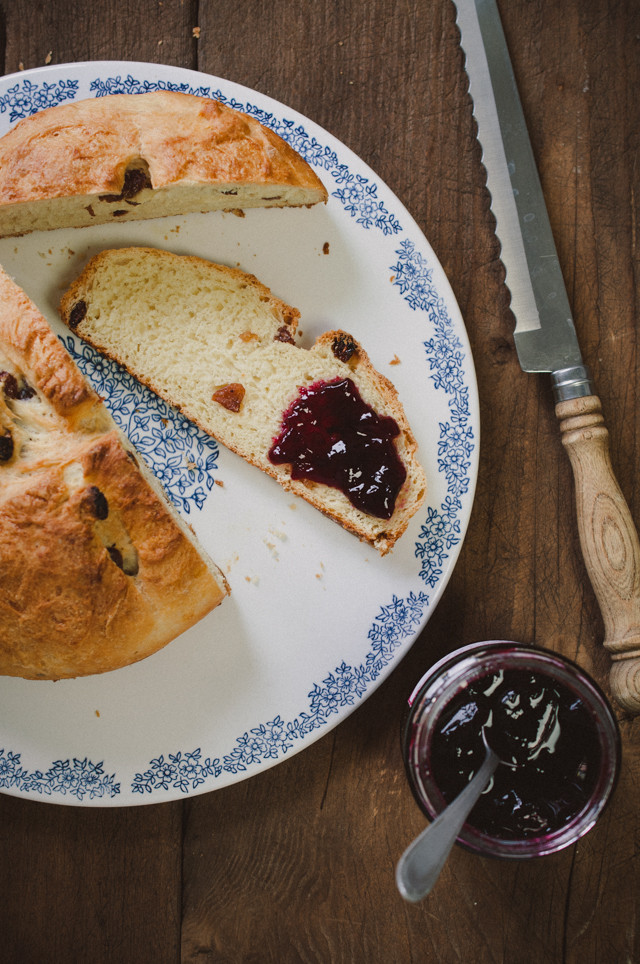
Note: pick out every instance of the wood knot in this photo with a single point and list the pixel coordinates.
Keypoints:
(501, 350)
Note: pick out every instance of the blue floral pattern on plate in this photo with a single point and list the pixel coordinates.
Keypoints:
(181, 456)
(76, 778)
(27, 98)
(268, 741)
(184, 459)
(445, 356)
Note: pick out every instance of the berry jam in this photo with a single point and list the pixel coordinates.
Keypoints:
(330, 435)
(543, 716)
(538, 725)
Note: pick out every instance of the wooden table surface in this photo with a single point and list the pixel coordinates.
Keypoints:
(297, 863)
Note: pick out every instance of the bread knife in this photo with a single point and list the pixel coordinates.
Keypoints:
(546, 340)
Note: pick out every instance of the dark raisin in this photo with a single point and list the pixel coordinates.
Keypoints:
(129, 566)
(343, 347)
(229, 192)
(116, 556)
(283, 334)
(118, 214)
(77, 313)
(134, 182)
(98, 502)
(9, 384)
(16, 389)
(229, 396)
(6, 447)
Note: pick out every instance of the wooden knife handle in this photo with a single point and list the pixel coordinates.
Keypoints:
(609, 541)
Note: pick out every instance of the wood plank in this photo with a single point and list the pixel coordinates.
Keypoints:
(80, 884)
(40, 33)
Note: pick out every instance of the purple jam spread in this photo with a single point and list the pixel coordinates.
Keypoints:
(538, 724)
(330, 435)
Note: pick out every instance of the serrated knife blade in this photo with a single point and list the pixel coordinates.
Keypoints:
(544, 335)
(546, 340)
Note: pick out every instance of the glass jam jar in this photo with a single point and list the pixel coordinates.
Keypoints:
(551, 726)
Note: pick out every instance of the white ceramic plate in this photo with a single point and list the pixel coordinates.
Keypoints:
(316, 620)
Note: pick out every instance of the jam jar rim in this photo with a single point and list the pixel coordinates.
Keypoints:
(463, 664)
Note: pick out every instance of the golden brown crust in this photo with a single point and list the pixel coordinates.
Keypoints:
(27, 338)
(96, 571)
(84, 148)
(67, 608)
(58, 583)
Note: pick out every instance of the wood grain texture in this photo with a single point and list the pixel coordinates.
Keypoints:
(296, 865)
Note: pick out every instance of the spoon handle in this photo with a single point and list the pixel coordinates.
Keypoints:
(421, 863)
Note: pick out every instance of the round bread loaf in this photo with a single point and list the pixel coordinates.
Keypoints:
(97, 569)
(134, 156)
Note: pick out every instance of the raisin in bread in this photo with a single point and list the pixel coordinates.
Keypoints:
(215, 343)
(135, 156)
(97, 570)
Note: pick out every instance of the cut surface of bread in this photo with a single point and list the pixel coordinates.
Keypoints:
(215, 343)
(135, 156)
(97, 569)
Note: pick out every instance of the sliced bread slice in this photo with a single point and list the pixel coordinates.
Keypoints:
(128, 157)
(214, 342)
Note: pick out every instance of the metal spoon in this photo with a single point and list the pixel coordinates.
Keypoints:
(419, 867)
